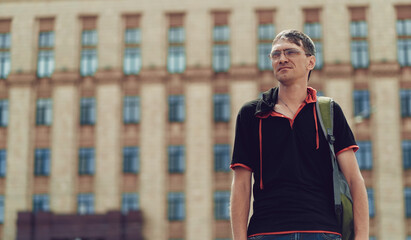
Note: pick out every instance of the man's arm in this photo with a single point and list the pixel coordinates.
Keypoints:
(240, 202)
(349, 167)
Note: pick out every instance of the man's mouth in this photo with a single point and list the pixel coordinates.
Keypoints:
(281, 68)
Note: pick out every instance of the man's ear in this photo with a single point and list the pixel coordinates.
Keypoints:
(311, 62)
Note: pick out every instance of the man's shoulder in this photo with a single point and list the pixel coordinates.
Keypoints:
(249, 108)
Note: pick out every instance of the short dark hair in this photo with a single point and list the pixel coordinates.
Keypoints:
(298, 38)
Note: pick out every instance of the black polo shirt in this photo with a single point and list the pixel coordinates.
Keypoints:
(293, 189)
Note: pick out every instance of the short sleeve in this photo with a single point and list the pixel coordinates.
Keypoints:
(244, 142)
(344, 138)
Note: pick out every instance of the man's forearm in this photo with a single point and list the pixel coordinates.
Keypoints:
(360, 209)
(240, 207)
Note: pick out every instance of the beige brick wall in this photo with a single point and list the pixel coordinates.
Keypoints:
(382, 31)
(341, 91)
(110, 36)
(23, 37)
(388, 180)
(198, 37)
(153, 161)
(108, 147)
(20, 150)
(199, 162)
(336, 44)
(64, 149)
(67, 40)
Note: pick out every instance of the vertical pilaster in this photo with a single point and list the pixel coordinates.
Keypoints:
(64, 148)
(108, 154)
(388, 175)
(153, 161)
(17, 193)
(199, 181)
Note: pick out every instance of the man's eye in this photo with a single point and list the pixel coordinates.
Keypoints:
(276, 54)
(292, 52)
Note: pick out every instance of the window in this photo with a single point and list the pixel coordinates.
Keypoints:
(221, 48)
(88, 62)
(176, 62)
(266, 34)
(362, 103)
(176, 206)
(5, 43)
(44, 111)
(313, 29)
(4, 112)
(3, 162)
(359, 44)
(41, 203)
(86, 161)
(371, 205)
(87, 111)
(364, 155)
(406, 154)
(407, 193)
(176, 159)
(131, 159)
(222, 154)
(222, 205)
(405, 95)
(131, 112)
(132, 51)
(129, 202)
(176, 108)
(42, 162)
(404, 41)
(85, 203)
(222, 108)
(1, 209)
(45, 59)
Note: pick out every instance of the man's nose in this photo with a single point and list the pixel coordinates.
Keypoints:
(282, 58)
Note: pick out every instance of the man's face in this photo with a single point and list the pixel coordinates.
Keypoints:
(290, 62)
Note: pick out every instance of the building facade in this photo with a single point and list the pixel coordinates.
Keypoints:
(123, 105)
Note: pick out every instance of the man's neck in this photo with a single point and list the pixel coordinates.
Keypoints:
(293, 94)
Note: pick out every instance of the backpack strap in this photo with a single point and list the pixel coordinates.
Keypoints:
(325, 112)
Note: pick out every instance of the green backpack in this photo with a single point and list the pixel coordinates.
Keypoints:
(342, 195)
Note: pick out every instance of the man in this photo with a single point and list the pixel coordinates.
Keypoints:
(279, 139)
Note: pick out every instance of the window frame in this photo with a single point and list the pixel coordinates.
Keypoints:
(87, 111)
(129, 202)
(221, 59)
(4, 112)
(42, 161)
(40, 203)
(176, 158)
(86, 200)
(86, 161)
(176, 206)
(364, 155)
(362, 105)
(44, 111)
(221, 205)
(176, 108)
(131, 159)
(5, 56)
(222, 157)
(176, 53)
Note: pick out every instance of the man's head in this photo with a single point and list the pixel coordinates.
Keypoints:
(290, 40)
(298, 38)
